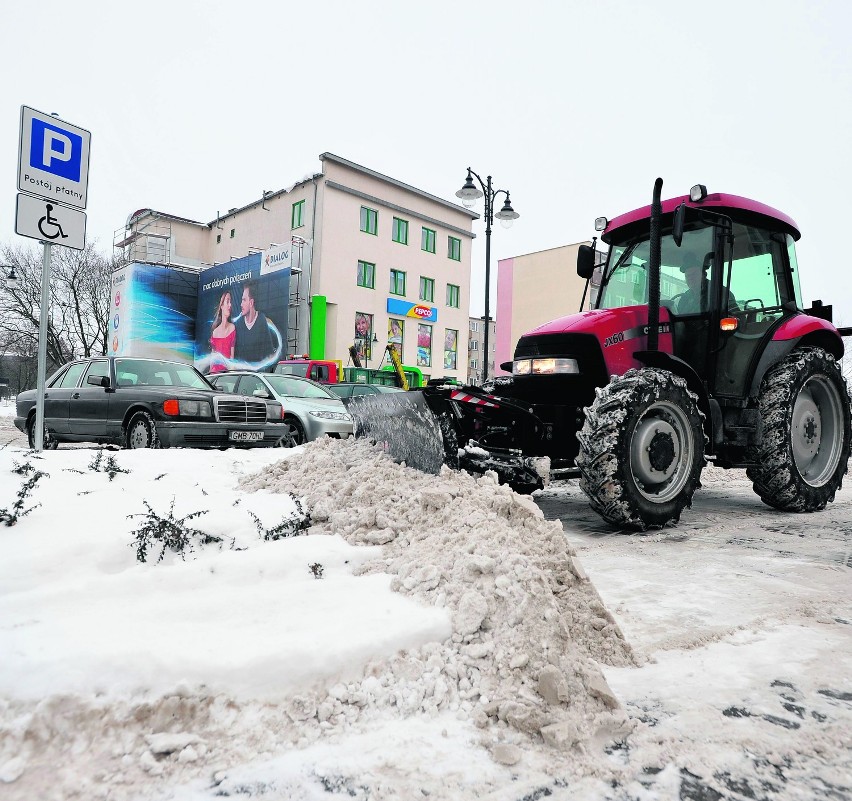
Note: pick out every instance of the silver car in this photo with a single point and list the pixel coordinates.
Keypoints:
(309, 409)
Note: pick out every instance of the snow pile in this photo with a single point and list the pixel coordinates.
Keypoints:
(122, 680)
(527, 624)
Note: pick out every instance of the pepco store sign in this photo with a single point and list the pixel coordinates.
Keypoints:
(402, 308)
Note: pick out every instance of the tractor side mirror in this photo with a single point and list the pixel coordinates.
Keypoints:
(585, 261)
(678, 223)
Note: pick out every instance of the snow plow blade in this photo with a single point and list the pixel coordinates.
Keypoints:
(463, 427)
(403, 424)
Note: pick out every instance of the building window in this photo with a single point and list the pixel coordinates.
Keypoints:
(454, 248)
(427, 240)
(397, 282)
(424, 345)
(369, 221)
(366, 274)
(218, 238)
(474, 344)
(400, 231)
(474, 365)
(451, 348)
(474, 326)
(297, 218)
(427, 289)
(233, 231)
(453, 293)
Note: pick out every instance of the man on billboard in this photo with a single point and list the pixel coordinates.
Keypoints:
(254, 342)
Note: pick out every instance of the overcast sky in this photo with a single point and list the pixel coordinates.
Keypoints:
(575, 108)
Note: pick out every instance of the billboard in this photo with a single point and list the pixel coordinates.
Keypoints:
(152, 312)
(241, 316)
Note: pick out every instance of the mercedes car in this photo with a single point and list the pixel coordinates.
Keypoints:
(146, 403)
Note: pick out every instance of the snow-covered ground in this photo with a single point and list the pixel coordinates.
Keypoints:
(426, 637)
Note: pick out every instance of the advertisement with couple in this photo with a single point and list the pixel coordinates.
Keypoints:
(242, 317)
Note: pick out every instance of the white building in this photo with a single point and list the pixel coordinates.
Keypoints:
(374, 260)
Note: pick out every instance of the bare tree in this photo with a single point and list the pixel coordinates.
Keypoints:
(78, 306)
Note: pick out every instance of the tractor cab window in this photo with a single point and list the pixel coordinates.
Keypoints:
(626, 282)
(758, 276)
(794, 270)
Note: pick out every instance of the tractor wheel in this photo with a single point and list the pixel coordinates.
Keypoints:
(804, 447)
(642, 449)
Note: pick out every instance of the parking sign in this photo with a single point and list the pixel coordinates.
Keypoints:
(54, 158)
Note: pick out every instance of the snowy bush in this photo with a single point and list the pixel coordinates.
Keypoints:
(167, 532)
(291, 526)
(11, 516)
(110, 466)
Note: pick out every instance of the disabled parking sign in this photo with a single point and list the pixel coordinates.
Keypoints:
(54, 159)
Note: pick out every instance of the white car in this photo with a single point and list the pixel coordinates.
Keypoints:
(309, 409)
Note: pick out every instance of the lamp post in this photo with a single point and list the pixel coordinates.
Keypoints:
(368, 347)
(469, 194)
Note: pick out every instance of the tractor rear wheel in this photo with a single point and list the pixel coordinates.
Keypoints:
(642, 449)
(804, 447)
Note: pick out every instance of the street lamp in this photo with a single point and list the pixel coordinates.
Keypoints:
(469, 194)
(11, 279)
(368, 347)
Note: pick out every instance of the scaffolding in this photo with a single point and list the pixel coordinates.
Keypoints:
(148, 242)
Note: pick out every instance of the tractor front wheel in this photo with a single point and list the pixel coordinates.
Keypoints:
(804, 446)
(642, 449)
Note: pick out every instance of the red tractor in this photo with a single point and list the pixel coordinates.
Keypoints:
(698, 347)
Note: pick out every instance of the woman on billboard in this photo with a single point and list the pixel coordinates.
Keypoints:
(224, 333)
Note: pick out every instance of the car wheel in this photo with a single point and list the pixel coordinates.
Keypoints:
(49, 441)
(285, 441)
(141, 432)
(295, 430)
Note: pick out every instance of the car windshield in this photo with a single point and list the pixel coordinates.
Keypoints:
(626, 281)
(300, 369)
(297, 387)
(153, 373)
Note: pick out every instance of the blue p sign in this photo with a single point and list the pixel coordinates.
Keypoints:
(56, 150)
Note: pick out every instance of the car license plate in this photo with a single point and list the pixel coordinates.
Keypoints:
(245, 436)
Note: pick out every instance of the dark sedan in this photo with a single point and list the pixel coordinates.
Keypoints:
(146, 403)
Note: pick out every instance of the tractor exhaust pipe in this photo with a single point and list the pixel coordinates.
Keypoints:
(654, 269)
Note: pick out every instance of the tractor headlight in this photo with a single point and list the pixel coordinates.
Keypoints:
(550, 366)
(546, 366)
(331, 415)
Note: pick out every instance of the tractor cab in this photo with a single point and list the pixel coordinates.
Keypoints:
(728, 276)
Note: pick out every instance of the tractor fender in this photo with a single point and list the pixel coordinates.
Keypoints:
(709, 407)
(802, 329)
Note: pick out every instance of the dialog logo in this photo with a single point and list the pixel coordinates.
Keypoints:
(117, 299)
(114, 344)
(115, 321)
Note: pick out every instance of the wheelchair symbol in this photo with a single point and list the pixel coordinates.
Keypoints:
(50, 220)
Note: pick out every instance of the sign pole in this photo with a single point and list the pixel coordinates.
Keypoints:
(42, 349)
